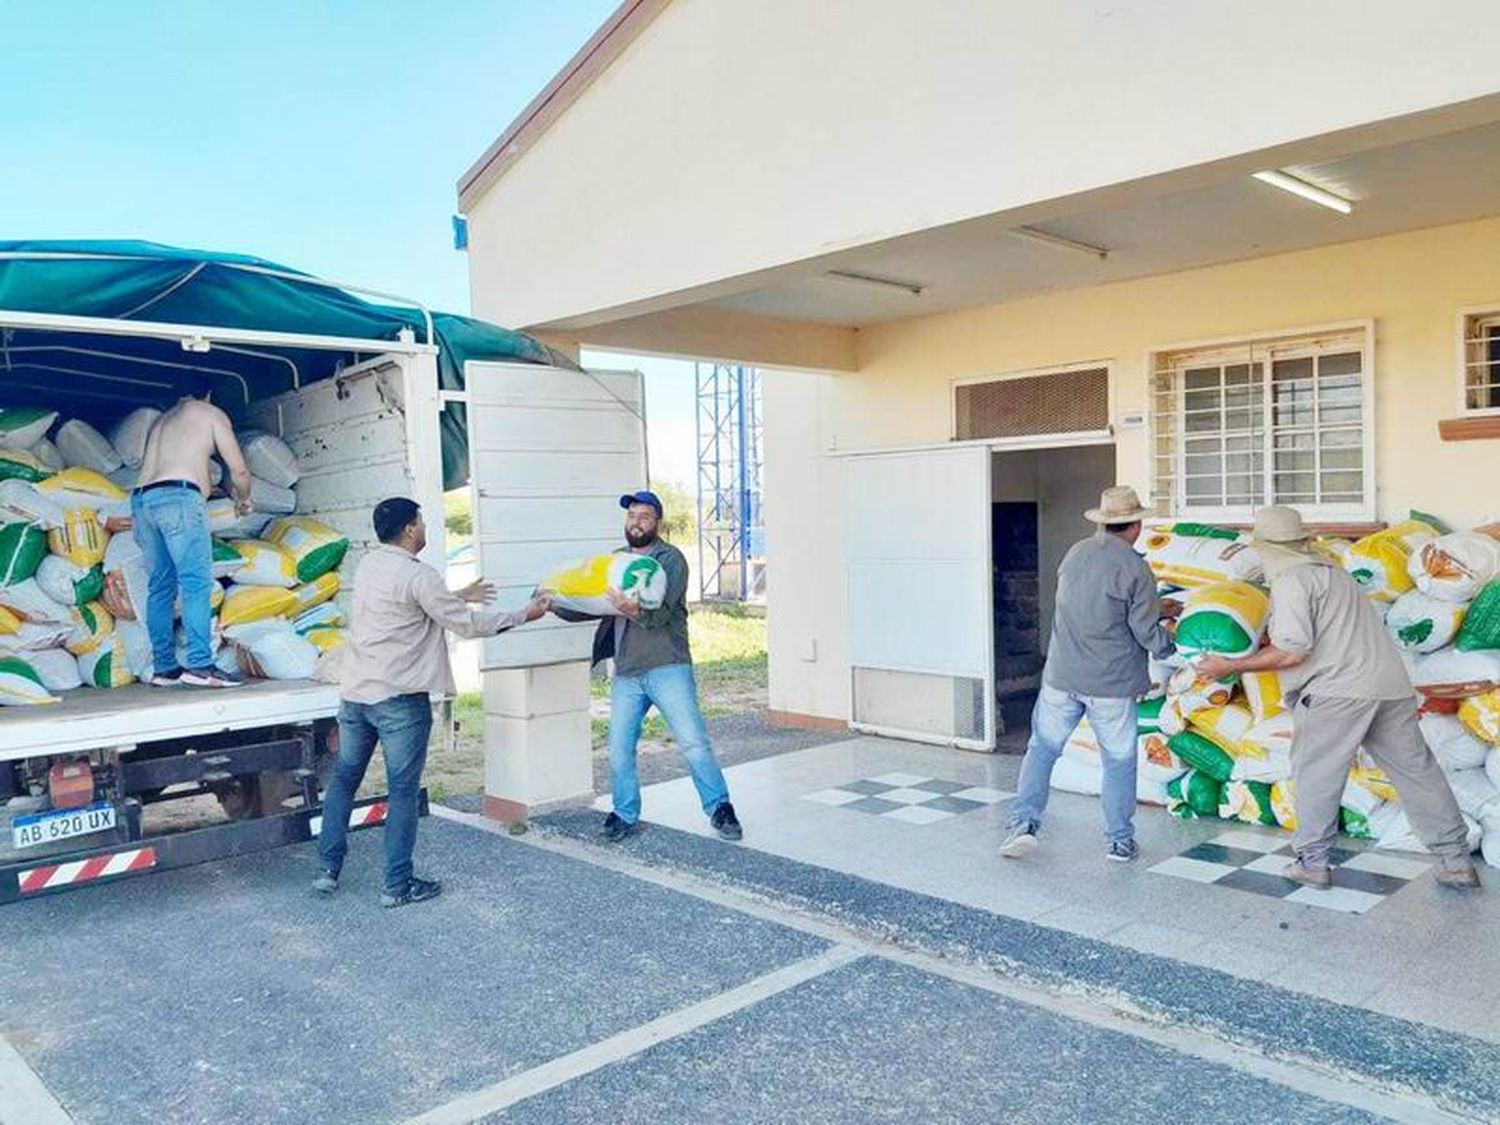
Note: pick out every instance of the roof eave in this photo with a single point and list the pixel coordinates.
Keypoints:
(611, 40)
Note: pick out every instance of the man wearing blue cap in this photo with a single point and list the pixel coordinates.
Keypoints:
(653, 665)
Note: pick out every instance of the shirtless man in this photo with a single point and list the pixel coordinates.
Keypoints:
(169, 508)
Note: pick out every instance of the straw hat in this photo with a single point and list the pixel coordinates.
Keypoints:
(1280, 535)
(1119, 504)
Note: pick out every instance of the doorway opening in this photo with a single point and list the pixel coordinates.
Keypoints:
(1037, 501)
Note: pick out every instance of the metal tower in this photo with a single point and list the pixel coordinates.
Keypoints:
(731, 536)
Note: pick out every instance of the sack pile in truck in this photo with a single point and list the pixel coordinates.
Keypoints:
(74, 582)
(1223, 750)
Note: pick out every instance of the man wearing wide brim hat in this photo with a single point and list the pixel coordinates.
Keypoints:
(1106, 619)
(1333, 653)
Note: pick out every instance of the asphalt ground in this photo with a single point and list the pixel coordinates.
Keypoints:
(677, 979)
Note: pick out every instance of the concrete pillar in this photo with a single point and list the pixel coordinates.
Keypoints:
(537, 742)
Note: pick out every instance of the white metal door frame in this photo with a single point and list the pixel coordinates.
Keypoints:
(973, 494)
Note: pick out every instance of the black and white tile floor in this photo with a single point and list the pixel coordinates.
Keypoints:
(909, 797)
(1250, 861)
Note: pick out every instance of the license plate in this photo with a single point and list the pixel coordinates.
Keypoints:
(48, 828)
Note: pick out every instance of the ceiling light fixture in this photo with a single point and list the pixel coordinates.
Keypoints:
(1037, 235)
(911, 287)
(1310, 192)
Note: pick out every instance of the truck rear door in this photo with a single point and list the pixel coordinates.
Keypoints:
(550, 453)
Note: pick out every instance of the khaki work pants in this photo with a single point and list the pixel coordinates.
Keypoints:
(1326, 734)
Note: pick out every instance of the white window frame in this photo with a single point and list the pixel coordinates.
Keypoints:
(1475, 316)
(1286, 343)
(1038, 441)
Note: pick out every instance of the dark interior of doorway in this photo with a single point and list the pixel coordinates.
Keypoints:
(1016, 563)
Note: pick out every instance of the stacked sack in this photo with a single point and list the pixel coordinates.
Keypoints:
(74, 582)
(1227, 745)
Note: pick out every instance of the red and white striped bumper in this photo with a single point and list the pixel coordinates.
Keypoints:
(85, 870)
(366, 817)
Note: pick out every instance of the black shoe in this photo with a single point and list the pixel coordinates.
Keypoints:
(616, 828)
(417, 890)
(726, 824)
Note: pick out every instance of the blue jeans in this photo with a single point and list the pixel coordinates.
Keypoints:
(1053, 720)
(171, 527)
(675, 693)
(401, 725)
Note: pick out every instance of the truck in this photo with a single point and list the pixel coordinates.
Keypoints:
(376, 396)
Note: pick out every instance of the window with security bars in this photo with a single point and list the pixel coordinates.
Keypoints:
(1059, 402)
(1264, 422)
(1481, 372)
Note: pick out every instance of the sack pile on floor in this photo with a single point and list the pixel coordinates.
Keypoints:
(74, 583)
(1223, 750)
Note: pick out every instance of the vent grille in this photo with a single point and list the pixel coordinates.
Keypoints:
(948, 707)
(1061, 403)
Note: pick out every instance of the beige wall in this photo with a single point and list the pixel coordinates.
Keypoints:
(1411, 286)
(734, 138)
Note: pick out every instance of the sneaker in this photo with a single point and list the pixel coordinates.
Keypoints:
(167, 679)
(1021, 841)
(616, 828)
(1319, 878)
(417, 890)
(210, 677)
(1122, 851)
(1464, 878)
(726, 824)
(326, 883)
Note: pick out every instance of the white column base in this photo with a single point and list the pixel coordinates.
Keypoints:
(537, 739)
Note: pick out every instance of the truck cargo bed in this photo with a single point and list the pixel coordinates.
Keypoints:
(88, 719)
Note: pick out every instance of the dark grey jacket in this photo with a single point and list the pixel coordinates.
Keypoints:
(1107, 618)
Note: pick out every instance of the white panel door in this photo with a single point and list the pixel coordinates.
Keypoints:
(921, 625)
(550, 454)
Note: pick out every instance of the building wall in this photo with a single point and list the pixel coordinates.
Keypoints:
(816, 128)
(1411, 286)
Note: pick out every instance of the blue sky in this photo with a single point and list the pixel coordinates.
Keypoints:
(325, 135)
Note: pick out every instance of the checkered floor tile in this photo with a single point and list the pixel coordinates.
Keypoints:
(1250, 861)
(909, 797)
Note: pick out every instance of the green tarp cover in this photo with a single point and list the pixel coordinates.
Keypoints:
(145, 281)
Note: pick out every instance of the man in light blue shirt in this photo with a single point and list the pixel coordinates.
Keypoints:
(1107, 621)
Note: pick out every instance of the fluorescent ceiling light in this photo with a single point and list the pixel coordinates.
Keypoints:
(1036, 234)
(1310, 192)
(912, 287)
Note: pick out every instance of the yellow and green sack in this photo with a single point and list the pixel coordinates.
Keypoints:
(1203, 754)
(20, 686)
(325, 638)
(81, 539)
(582, 587)
(315, 547)
(1249, 801)
(244, 604)
(312, 594)
(1263, 694)
(1284, 804)
(1379, 561)
(1223, 617)
(107, 666)
(23, 546)
(81, 488)
(68, 583)
(266, 564)
(1481, 627)
(92, 626)
(1228, 727)
(1196, 554)
(1194, 794)
(18, 465)
(1480, 714)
